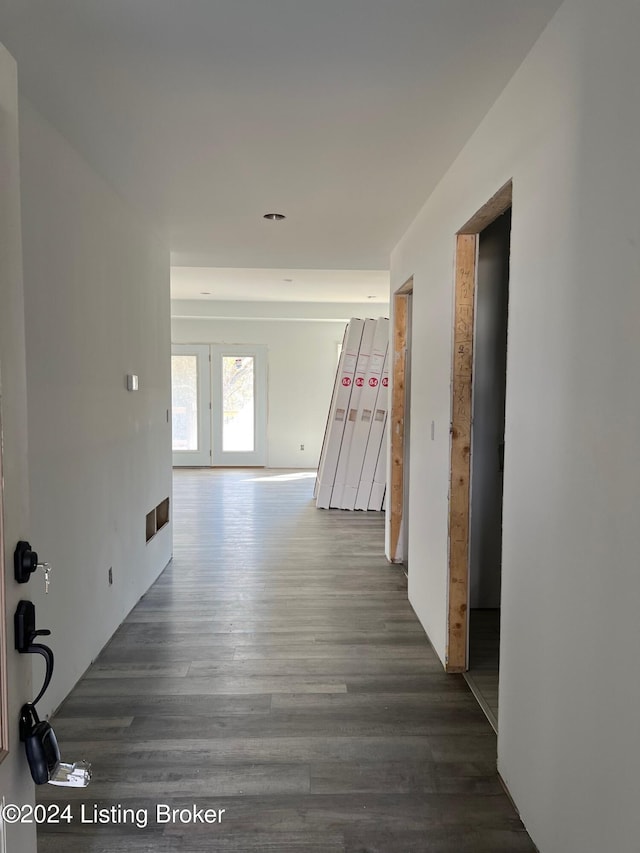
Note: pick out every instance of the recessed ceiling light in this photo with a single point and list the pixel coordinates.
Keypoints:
(274, 217)
(288, 280)
(370, 297)
(205, 293)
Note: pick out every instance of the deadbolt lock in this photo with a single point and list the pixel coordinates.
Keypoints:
(25, 562)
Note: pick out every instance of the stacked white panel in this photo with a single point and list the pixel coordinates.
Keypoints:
(362, 366)
(375, 440)
(366, 411)
(336, 386)
(380, 477)
(340, 402)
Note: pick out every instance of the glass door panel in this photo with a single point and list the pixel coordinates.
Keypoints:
(184, 401)
(239, 405)
(190, 404)
(238, 425)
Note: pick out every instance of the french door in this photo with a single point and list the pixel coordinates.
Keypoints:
(190, 402)
(239, 422)
(219, 400)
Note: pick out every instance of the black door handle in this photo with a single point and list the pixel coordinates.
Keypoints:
(24, 623)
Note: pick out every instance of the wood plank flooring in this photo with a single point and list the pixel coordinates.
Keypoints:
(277, 671)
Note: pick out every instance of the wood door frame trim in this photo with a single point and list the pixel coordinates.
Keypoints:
(489, 212)
(398, 402)
(467, 239)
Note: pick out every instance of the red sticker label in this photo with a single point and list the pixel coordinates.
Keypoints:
(346, 381)
(359, 381)
(373, 382)
(385, 382)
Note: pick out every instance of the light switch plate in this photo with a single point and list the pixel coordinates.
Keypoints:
(132, 382)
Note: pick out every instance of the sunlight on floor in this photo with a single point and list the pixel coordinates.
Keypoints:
(279, 478)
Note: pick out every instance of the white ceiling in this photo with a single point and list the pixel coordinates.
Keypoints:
(280, 285)
(206, 114)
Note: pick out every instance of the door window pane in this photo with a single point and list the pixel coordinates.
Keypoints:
(237, 403)
(184, 401)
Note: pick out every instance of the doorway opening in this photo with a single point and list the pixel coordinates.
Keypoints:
(219, 405)
(400, 426)
(477, 448)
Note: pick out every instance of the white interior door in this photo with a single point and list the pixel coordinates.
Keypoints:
(191, 404)
(239, 410)
(16, 785)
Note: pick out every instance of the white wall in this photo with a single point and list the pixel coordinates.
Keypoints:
(15, 782)
(96, 283)
(567, 130)
(302, 360)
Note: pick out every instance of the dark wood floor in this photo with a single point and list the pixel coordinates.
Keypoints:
(277, 671)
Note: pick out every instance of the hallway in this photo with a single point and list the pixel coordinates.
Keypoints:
(277, 671)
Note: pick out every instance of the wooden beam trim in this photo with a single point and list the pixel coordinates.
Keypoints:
(494, 208)
(397, 420)
(459, 495)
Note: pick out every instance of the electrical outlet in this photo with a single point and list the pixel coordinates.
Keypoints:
(110, 575)
(302, 447)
